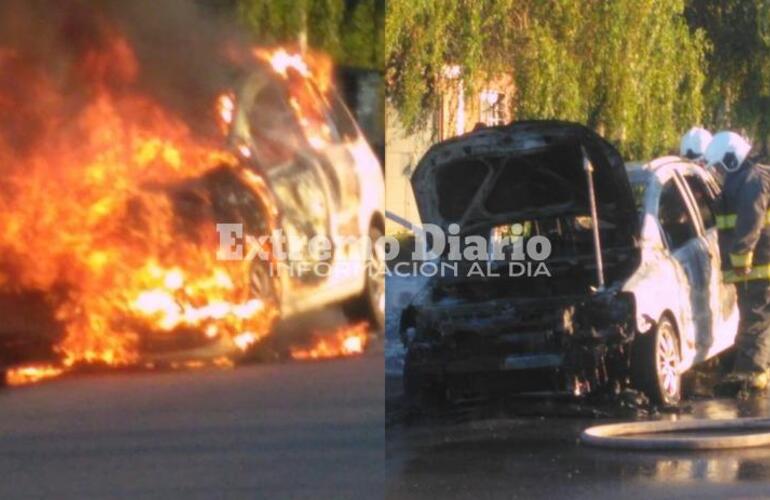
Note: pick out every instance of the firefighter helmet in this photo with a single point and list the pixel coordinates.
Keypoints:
(694, 143)
(728, 150)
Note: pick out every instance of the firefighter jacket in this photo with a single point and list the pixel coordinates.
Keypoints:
(744, 224)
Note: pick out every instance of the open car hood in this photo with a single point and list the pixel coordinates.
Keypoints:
(522, 171)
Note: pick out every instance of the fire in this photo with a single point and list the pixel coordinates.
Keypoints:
(281, 61)
(347, 341)
(284, 62)
(30, 374)
(225, 111)
(91, 211)
(305, 93)
(108, 197)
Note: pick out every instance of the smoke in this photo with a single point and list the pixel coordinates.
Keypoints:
(173, 51)
(187, 55)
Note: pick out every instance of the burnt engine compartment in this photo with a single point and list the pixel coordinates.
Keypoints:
(551, 332)
(571, 263)
(567, 343)
(30, 328)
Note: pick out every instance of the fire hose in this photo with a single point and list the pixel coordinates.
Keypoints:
(729, 433)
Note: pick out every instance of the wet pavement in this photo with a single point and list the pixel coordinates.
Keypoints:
(530, 449)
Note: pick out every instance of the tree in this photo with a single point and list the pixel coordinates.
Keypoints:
(738, 76)
(630, 68)
(423, 37)
(362, 33)
(348, 31)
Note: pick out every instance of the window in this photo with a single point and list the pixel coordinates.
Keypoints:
(272, 126)
(492, 110)
(639, 190)
(674, 217)
(313, 115)
(703, 199)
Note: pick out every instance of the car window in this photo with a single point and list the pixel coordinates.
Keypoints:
(639, 190)
(312, 112)
(273, 126)
(703, 199)
(674, 217)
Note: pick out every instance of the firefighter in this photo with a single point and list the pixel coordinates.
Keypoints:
(744, 237)
(694, 143)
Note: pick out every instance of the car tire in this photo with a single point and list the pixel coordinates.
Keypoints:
(370, 304)
(263, 285)
(655, 364)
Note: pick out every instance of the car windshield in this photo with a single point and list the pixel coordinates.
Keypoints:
(639, 188)
(639, 180)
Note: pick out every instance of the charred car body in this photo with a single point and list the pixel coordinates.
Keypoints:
(306, 170)
(634, 300)
(325, 180)
(301, 166)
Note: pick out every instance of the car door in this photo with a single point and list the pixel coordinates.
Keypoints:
(683, 237)
(278, 144)
(333, 139)
(722, 298)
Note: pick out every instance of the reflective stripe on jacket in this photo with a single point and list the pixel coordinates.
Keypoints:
(744, 224)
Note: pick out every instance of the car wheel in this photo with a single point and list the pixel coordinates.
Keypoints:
(655, 364)
(370, 305)
(262, 285)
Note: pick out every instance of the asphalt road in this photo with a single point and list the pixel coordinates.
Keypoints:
(293, 430)
(531, 451)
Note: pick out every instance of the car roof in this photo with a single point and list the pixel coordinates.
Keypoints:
(644, 171)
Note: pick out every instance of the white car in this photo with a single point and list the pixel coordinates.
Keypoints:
(305, 170)
(644, 310)
(296, 162)
(326, 181)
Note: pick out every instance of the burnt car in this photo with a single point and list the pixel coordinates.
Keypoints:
(326, 181)
(295, 161)
(306, 170)
(634, 295)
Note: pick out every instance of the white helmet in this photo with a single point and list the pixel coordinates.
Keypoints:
(727, 149)
(694, 143)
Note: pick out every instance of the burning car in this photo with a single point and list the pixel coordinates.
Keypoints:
(306, 171)
(634, 296)
(113, 187)
(324, 181)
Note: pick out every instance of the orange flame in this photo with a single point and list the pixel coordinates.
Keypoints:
(281, 61)
(30, 374)
(91, 212)
(349, 340)
(306, 95)
(225, 111)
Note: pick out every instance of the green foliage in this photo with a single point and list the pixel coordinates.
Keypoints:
(630, 68)
(422, 37)
(351, 32)
(738, 77)
(362, 34)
